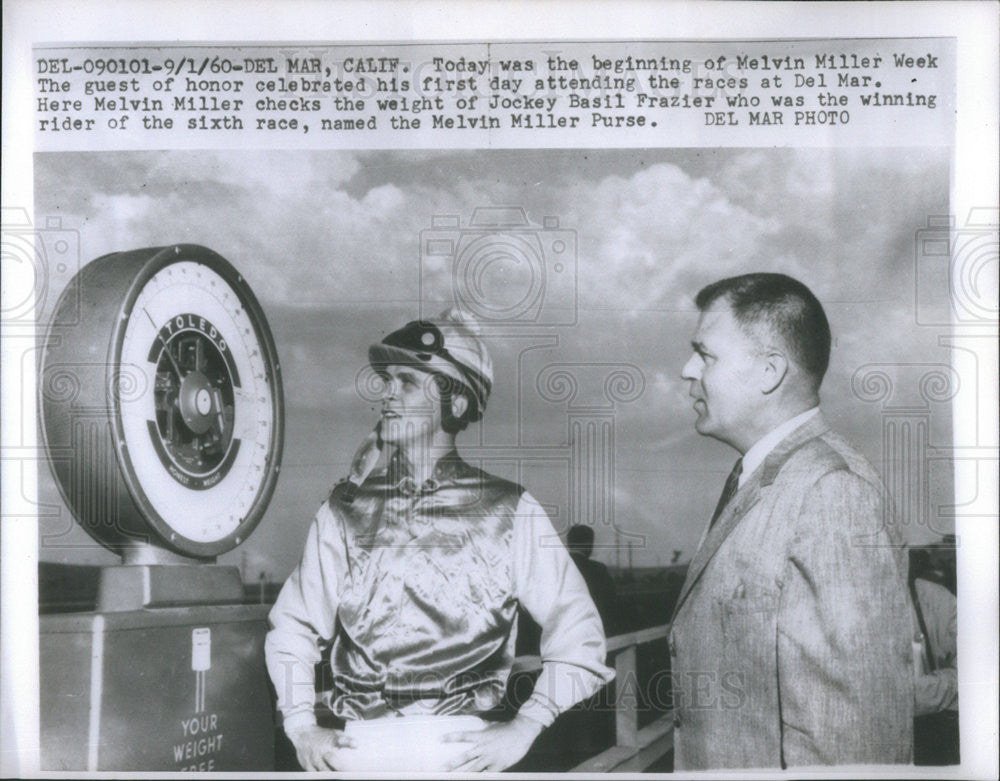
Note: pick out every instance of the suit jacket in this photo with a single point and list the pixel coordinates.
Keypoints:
(791, 639)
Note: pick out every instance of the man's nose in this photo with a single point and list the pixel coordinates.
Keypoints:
(391, 389)
(692, 369)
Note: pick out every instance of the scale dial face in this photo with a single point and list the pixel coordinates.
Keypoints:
(198, 443)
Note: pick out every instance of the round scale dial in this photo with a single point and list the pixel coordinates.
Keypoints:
(196, 417)
(206, 421)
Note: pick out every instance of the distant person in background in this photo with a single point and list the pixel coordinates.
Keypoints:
(940, 563)
(935, 726)
(580, 541)
(791, 643)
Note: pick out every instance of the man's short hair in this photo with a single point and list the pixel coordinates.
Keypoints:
(784, 306)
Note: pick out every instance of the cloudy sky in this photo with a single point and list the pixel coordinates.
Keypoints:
(331, 244)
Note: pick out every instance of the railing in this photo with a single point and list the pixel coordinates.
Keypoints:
(635, 748)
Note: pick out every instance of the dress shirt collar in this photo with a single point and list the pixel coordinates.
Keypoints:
(755, 456)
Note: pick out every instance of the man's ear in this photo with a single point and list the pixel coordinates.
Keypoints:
(459, 404)
(775, 368)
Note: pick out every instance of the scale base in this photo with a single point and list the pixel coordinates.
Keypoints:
(141, 586)
(171, 689)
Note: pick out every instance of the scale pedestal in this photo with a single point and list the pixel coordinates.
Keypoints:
(164, 676)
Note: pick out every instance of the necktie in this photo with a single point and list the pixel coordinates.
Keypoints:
(732, 483)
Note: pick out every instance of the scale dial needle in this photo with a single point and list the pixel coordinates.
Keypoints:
(170, 355)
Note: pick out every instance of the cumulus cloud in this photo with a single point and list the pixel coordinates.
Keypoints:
(331, 243)
(644, 236)
(322, 226)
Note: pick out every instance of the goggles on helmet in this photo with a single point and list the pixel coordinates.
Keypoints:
(424, 339)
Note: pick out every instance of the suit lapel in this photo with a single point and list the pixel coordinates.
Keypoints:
(745, 498)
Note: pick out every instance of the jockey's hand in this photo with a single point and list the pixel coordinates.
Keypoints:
(318, 748)
(495, 747)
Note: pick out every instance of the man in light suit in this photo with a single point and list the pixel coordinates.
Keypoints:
(791, 638)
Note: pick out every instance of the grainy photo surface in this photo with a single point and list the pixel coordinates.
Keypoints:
(556, 404)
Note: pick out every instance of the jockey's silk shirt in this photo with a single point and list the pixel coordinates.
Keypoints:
(417, 586)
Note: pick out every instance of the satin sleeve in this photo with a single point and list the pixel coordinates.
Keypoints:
(549, 586)
(303, 620)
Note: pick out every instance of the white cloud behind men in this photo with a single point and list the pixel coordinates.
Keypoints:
(330, 244)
